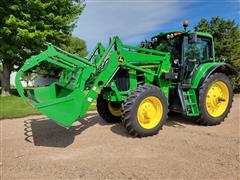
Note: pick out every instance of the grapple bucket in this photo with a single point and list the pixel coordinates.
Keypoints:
(62, 100)
(58, 103)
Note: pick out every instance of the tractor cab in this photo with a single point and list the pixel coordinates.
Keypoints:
(188, 50)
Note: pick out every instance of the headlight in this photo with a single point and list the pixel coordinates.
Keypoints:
(154, 39)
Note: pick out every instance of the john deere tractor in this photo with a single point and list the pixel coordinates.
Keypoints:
(138, 86)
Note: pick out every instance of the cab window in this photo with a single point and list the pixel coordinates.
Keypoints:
(198, 52)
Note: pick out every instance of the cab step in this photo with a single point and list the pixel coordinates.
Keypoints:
(190, 102)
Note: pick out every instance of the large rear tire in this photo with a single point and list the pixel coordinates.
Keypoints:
(145, 111)
(110, 112)
(215, 99)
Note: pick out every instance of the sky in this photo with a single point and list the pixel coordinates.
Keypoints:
(137, 20)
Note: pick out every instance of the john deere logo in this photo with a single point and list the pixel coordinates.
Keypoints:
(120, 58)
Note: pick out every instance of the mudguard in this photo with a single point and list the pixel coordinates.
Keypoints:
(205, 70)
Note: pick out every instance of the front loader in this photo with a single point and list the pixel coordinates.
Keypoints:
(174, 72)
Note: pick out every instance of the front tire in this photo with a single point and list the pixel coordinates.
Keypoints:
(145, 111)
(110, 112)
(215, 99)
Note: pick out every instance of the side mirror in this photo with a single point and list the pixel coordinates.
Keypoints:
(192, 38)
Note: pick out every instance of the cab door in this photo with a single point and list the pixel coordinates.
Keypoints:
(194, 54)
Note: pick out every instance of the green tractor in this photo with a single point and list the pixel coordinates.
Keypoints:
(138, 86)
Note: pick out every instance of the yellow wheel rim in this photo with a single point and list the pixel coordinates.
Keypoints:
(150, 112)
(217, 99)
(114, 110)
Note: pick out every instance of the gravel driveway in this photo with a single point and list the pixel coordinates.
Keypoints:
(35, 147)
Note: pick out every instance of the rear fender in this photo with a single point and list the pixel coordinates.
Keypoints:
(205, 70)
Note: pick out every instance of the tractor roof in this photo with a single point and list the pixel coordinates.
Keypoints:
(184, 32)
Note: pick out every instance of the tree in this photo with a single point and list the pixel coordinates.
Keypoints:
(226, 34)
(75, 45)
(27, 26)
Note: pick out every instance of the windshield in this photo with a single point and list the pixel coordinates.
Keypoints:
(169, 45)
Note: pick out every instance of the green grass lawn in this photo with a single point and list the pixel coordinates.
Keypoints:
(13, 107)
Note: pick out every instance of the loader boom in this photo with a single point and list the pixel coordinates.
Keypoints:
(76, 88)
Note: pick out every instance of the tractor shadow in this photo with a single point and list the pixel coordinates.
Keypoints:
(177, 121)
(44, 132)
